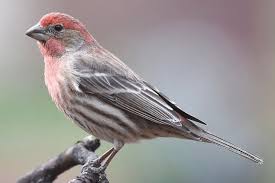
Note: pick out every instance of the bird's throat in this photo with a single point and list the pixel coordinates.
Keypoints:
(52, 47)
(53, 78)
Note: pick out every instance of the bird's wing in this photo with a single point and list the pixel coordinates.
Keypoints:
(174, 106)
(134, 96)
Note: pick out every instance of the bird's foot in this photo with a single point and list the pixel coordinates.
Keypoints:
(94, 170)
(94, 166)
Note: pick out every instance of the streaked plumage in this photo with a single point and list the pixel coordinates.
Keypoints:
(105, 97)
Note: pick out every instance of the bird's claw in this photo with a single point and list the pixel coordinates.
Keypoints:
(97, 170)
(94, 166)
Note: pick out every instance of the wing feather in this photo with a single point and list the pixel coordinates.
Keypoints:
(120, 86)
(130, 95)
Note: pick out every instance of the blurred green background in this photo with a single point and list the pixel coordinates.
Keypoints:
(215, 58)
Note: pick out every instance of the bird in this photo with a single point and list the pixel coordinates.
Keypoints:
(104, 97)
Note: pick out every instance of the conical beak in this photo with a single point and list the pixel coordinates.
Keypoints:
(38, 33)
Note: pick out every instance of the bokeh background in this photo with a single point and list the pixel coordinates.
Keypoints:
(214, 57)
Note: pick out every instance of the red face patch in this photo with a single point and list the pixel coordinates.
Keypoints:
(58, 18)
(68, 22)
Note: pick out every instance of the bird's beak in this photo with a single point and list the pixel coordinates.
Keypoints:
(37, 32)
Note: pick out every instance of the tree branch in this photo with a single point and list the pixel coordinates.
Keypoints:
(79, 154)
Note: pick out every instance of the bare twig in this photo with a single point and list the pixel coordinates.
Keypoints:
(79, 154)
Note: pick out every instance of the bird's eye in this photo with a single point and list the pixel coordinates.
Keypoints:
(58, 28)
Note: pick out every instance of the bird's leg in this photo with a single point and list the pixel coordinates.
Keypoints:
(100, 164)
(109, 158)
(100, 159)
(95, 165)
(117, 146)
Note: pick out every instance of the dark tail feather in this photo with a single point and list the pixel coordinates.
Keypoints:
(209, 137)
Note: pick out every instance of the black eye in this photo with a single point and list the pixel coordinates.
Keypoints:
(58, 28)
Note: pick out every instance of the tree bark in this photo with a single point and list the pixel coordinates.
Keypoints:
(79, 154)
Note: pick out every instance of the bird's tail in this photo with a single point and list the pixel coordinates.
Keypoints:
(206, 136)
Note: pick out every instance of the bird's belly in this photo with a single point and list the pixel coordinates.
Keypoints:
(102, 120)
(107, 122)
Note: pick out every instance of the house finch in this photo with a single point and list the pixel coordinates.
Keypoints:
(105, 97)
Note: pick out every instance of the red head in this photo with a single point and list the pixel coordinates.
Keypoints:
(58, 33)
